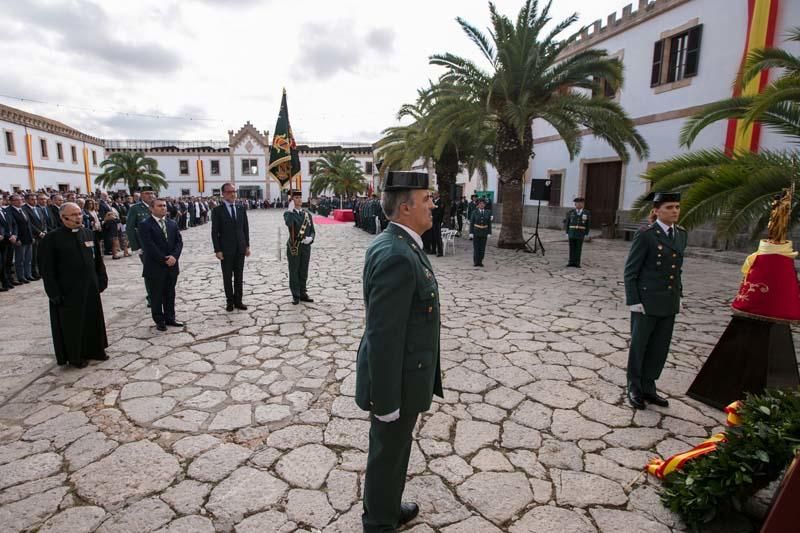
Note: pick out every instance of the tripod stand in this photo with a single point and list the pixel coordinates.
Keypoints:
(537, 242)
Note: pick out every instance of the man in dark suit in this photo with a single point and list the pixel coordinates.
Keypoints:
(8, 238)
(398, 369)
(162, 244)
(230, 236)
(38, 230)
(55, 203)
(44, 211)
(24, 246)
(653, 291)
(436, 229)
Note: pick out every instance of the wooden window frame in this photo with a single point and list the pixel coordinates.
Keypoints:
(9, 135)
(94, 158)
(211, 166)
(181, 162)
(669, 71)
(368, 167)
(249, 167)
(562, 173)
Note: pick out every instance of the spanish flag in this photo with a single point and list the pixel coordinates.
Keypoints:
(762, 18)
(201, 176)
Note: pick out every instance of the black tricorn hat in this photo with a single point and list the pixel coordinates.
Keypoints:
(401, 180)
(145, 188)
(295, 192)
(662, 197)
(578, 199)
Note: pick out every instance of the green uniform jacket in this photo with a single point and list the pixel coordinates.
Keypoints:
(653, 270)
(398, 360)
(294, 221)
(480, 223)
(577, 226)
(138, 212)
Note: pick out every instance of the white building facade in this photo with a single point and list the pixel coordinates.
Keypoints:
(678, 56)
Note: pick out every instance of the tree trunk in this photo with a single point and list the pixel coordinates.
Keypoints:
(513, 158)
(446, 171)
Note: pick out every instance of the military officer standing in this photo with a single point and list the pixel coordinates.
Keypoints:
(398, 368)
(653, 292)
(298, 247)
(577, 226)
(480, 227)
(138, 212)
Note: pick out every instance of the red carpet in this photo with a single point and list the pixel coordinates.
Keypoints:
(322, 220)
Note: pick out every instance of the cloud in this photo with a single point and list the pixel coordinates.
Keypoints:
(381, 40)
(82, 27)
(328, 49)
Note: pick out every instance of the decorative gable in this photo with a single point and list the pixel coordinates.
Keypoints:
(249, 135)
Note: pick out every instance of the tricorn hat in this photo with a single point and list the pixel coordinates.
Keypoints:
(402, 180)
(295, 192)
(578, 199)
(145, 188)
(662, 197)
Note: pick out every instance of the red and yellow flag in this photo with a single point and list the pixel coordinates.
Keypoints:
(761, 22)
(201, 176)
(86, 170)
(31, 167)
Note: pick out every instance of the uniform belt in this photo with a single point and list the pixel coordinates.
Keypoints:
(577, 227)
(481, 226)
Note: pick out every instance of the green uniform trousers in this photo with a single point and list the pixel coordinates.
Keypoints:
(650, 340)
(575, 249)
(387, 464)
(478, 249)
(298, 269)
(146, 281)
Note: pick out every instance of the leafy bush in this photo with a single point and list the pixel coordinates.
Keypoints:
(755, 454)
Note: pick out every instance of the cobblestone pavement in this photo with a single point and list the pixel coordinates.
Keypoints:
(245, 421)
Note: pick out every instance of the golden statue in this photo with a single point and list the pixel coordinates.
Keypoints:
(778, 226)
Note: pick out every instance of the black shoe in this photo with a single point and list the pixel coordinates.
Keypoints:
(571, 265)
(25, 281)
(161, 326)
(35, 278)
(439, 255)
(82, 364)
(229, 307)
(305, 298)
(635, 399)
(101, 357)
(174, 324)
(17, 282)
(655, 399)
(295, 301)
(408, 512)
(3, 289)
(480, 264)
(240, 306)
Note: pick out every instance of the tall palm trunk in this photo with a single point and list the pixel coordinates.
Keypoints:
(513, 158)
(446, 171)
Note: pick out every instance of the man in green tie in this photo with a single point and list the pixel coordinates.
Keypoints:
(480, 227)
(298, 247)
(397, 369)
(653, 291)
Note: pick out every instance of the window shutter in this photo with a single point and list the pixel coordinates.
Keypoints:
(555, 190)
(693, 51)
(658, 59)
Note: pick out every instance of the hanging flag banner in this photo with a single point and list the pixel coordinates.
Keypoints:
(86, 170)
(761, 22)
(201, 177)
(284, 160)
(31, 167)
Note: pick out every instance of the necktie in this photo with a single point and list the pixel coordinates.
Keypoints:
(233, 212)
(670, 233)
(163, 227)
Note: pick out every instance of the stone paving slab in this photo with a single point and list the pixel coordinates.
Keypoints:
(245, 421)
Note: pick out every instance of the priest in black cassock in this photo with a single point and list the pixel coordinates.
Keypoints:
(71, 265)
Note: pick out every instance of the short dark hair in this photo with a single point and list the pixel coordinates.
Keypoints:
(226, 184)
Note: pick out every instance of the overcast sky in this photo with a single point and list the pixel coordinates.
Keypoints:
(347, 65)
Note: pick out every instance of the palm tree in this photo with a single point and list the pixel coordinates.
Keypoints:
(339, 172)
(736, 190)
(449, 149)
(528, 78)
(132, 168)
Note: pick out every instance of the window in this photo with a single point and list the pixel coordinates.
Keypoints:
(94, 157)
(214, 169)
(312, 167)
(676, 57)
(555, 189)
(43, 147)
(74, 153)
(604, 89)
(63, 187)
(368, 167)
(185, 192)
(60, 151)
(10, 148)
(183, 167)
(249, 167)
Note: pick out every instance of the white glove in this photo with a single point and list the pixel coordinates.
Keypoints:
(637, 308)
(308, 240)
(680, 306)
(470, 235)
(391, 417)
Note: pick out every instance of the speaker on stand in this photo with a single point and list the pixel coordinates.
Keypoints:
(540, 190)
